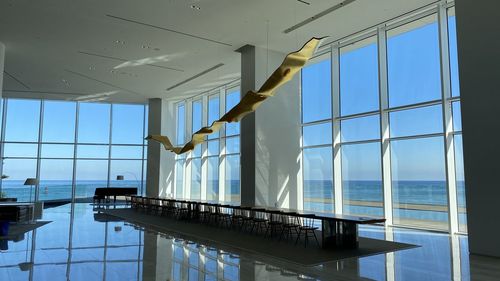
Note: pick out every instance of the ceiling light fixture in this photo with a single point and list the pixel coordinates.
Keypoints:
(195, 7)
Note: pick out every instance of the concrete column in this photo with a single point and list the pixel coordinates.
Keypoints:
(270, 138)
(154, 159)
(2, 62)
(479, 57)
(247, 129)
(160, 165)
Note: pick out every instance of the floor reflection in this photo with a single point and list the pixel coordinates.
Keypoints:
(81, 244)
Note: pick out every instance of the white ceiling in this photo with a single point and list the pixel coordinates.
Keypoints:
(46, 41)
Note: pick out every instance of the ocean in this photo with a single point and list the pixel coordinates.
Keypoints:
(412, 200)
(425, 201)
(59, 189)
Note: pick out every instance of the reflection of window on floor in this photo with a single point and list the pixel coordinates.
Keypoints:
(191, 261)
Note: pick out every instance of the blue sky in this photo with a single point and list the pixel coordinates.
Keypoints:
(413, 76)
(59, 119)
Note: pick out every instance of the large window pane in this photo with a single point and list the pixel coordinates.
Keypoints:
(126, 152)
(213, 113)
(359, 77)
(58, 150)
(22, 121)
(232, 99)
(452, 39)
(233, 178)
(413, 62)
(460, 182)
(179, 178)
(181, 124)
(93, 123)
(317, 134)
(419, 183)
(232, 145)
(362, 179)
(196, 152)
(92, 151)
(90, 174)
(18, 171)
(359, 129)
(59, 121)
(20, 150)
(196, 118)
(316, 91)
(131, 170)
(418, 121)
(457, 116)
(318, 179)
(195, 178)
(56, 179)
(213, 178)
(213, 148)
(128, 123)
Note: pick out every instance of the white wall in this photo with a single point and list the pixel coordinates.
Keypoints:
(478, 34)
(167, 166)
(277, 138)
(160, 165)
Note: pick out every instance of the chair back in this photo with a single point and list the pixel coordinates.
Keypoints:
(307, 221)
(260, 215)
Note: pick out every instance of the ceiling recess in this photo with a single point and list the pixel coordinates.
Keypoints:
(102, 82)
(195, 76)
(125, 60)
(170, 30)
(318, 15)
(17, 80)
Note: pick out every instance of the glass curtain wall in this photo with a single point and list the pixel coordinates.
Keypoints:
(380, 102)
(317, 136)
(71, 147)
(212, 170)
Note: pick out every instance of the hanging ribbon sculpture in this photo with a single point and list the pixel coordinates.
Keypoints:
(292, 64)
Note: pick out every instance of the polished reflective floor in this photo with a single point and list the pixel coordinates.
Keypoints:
(80, 244)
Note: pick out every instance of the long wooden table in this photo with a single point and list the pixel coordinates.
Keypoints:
(338, 231)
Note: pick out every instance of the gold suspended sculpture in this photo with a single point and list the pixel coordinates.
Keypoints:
(292, 63)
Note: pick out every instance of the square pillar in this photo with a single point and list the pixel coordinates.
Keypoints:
(479, 59)
(270, 137)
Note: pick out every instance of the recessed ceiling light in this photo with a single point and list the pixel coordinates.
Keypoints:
(119, 42)
(195, 7)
